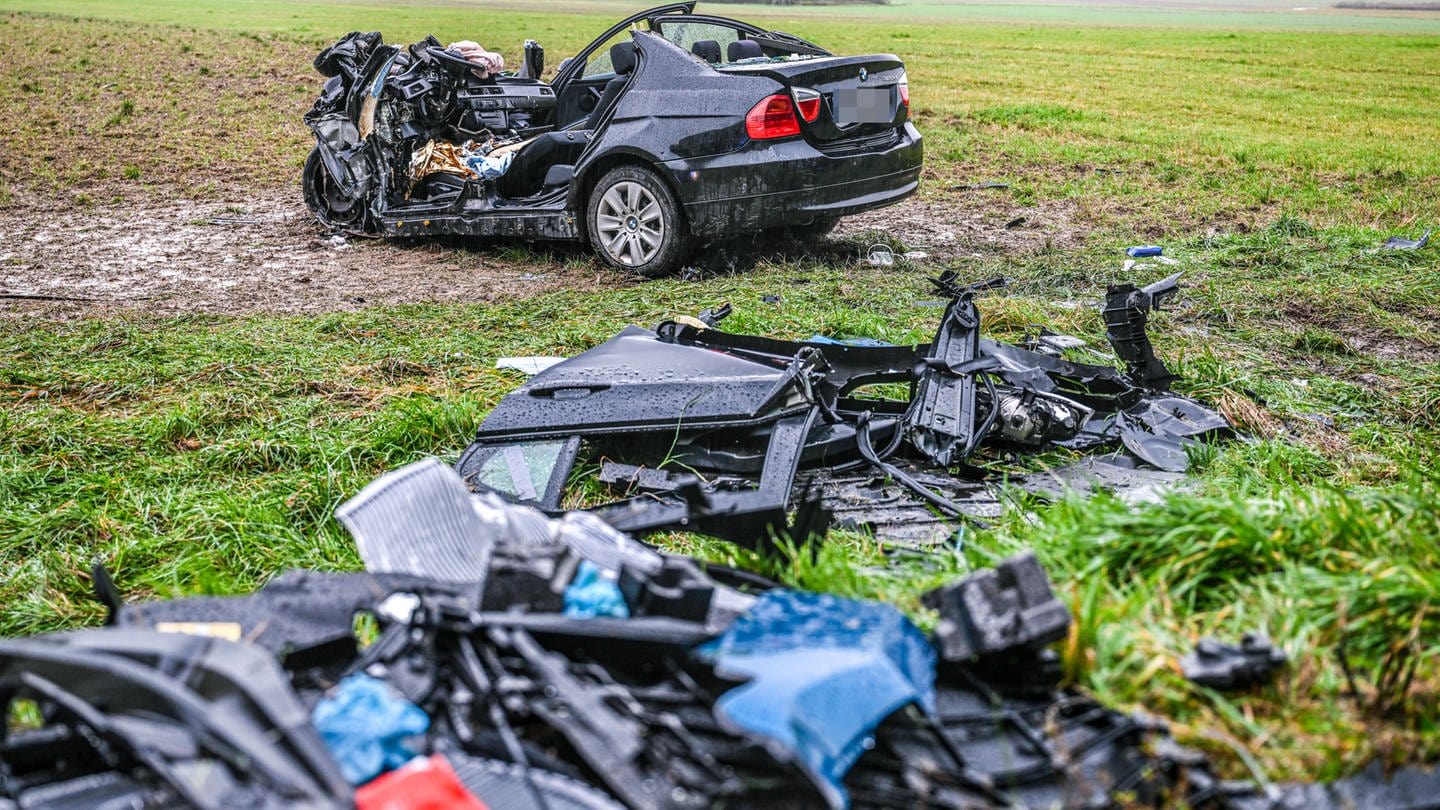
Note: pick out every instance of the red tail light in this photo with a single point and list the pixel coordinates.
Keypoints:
(807, 101)
(773, 117)
(905, 91)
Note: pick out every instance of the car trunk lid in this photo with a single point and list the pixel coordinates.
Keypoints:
(860, 95)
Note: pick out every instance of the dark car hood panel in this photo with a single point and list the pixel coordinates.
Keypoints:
(634, 382)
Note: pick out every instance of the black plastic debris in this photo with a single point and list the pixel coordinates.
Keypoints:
(1127, 310)
(719, 689)
(142, 718)
(1229, 666)
(998, 610)
(1401, 243)
(730, 434)
(1371, 788)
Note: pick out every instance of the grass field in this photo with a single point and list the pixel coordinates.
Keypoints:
(202, 454)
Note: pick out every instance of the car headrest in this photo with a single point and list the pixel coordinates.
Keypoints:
(622, 57)
(743, 49)
(707, 49)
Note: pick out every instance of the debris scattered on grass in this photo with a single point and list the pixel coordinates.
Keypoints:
(475, 688)
(1230, 666)
(979, 186)
(747, 429)
(527, 365)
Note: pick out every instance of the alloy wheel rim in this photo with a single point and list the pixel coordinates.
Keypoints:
(629, 222)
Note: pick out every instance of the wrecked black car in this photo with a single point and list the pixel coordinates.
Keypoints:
(671, 127)
(491, 656)
(723, 433)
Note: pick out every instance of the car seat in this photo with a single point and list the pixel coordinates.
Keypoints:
(743, 49)
(707, 49)
(623, 59)
(549, 160)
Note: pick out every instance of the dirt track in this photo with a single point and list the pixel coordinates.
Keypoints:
(266, 254)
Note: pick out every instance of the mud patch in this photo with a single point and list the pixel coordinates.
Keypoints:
(972, 224)
(1358, 333)
(266, 255)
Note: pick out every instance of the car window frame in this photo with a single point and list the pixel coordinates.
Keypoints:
(576, 68)
(751, 31)
(742, 30)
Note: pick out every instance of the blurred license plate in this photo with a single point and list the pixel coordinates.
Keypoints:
(864, 105)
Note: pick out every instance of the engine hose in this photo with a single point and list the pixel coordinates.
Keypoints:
(862, 435)
(984, 430)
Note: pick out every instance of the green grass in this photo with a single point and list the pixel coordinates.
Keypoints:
(311, 16)
(203, 454)
(1156, 129)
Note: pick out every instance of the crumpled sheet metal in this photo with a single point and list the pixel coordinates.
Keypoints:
(825, 671)
(1159, 430)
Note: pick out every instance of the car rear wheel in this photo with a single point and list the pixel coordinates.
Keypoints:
(635, 223)
(330, 204)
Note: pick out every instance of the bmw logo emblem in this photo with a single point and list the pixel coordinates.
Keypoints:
(864, 74)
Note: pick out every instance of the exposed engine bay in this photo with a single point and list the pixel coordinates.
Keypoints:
(443, 117)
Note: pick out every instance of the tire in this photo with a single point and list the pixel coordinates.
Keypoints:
(635, 223)
(330, 205)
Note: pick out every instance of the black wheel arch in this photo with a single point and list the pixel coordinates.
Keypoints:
(593, 170)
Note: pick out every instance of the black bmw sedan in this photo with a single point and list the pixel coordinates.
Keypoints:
(669, 129)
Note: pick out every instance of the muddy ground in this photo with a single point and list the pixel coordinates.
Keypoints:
(262, 252)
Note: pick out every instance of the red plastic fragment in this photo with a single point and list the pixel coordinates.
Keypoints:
(420, 784)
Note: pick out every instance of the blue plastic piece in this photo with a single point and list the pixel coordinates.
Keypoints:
(825, 672)
(364, 724)
(860, 341)
(1140, 251)
(593, 593)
